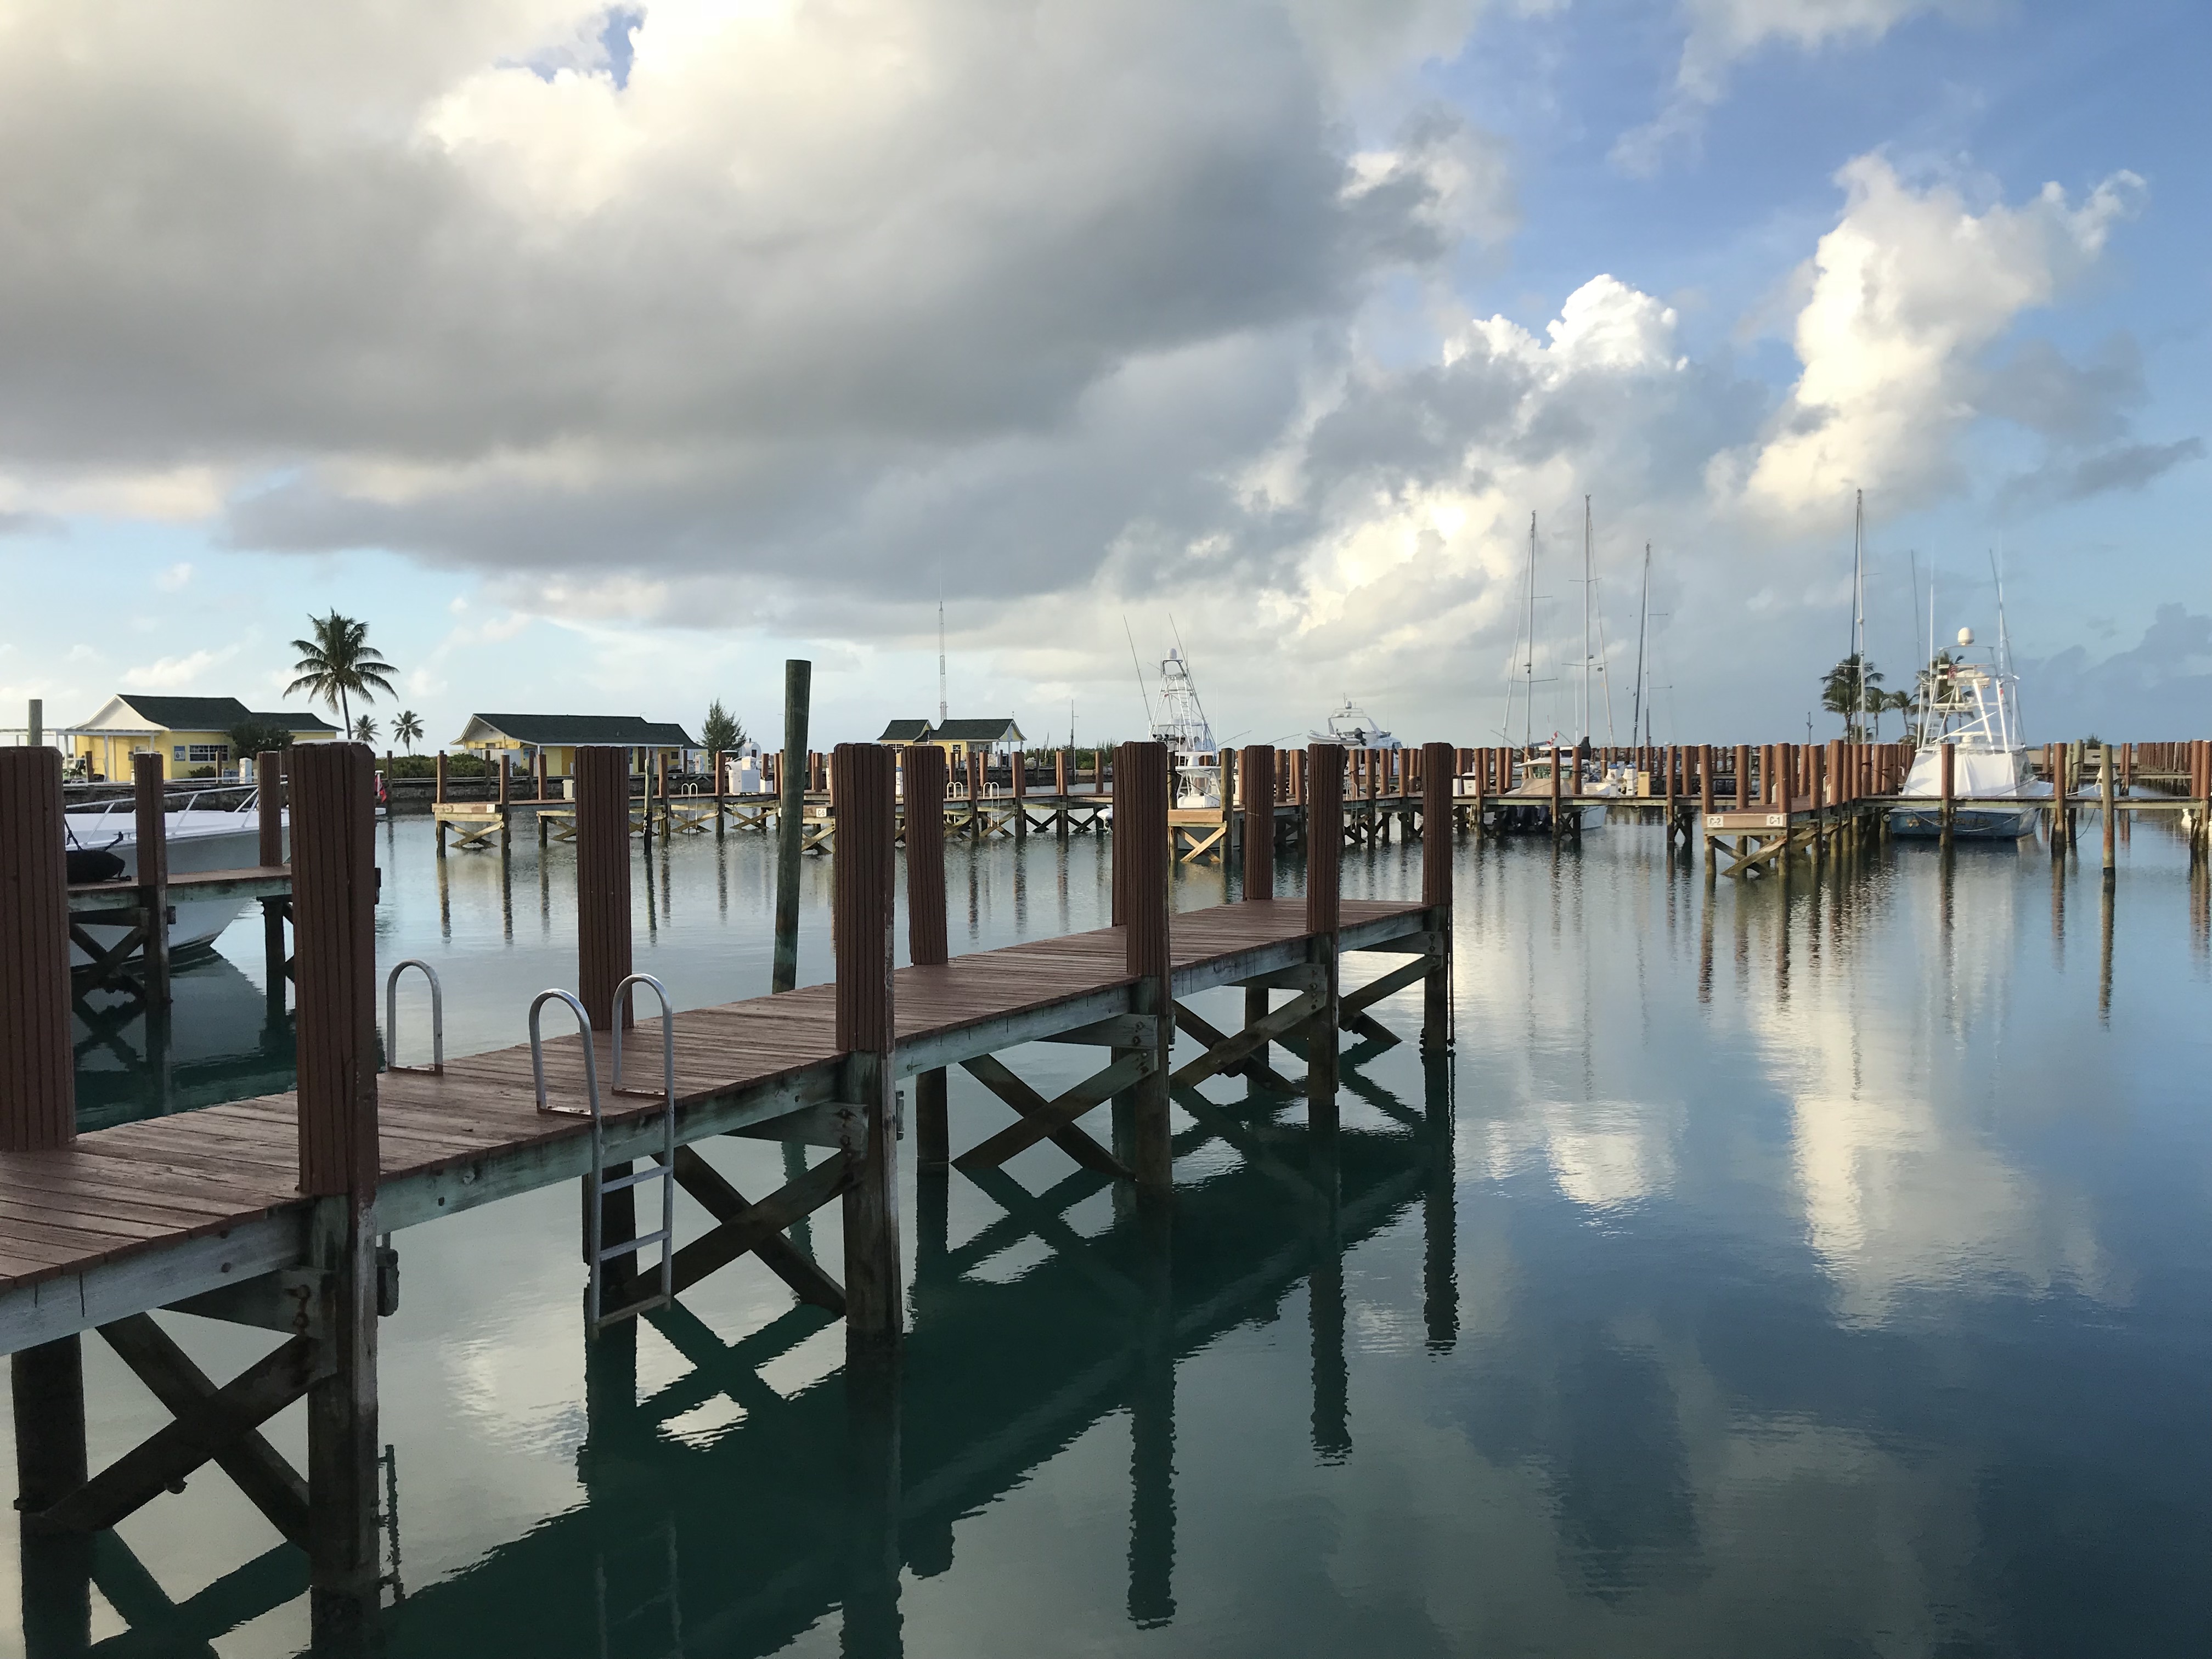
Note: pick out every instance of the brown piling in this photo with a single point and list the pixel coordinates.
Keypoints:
(1947, 765)
(334, 904)
(791, 820)
(153, 853)
(865, 872)
(1324, 869)
(2110, 814)
(1557, 763)
(1259, 852)
(1436, 893)
(269, 806)
(1141, 787)
(926, 940)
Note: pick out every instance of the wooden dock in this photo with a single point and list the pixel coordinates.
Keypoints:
(267, 1213)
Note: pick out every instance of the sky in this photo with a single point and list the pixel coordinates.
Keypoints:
(601, 359)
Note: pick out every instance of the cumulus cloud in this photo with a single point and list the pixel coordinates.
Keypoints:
(1718, 34)
(177, 673)
(1903, 299)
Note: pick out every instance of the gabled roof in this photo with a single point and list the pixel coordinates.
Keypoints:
(133, 711)
(1000, 729)
(905, 731)
(573, 730)
(289, 722)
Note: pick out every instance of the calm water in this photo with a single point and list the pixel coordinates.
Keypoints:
(1809, 1271)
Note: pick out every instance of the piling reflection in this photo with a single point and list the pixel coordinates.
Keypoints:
(218, 1040)
(816, 1503)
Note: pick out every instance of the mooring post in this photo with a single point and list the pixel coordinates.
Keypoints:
(1141, 855)
(1558, 762)
(1324, 867)
(334, 911)
(1436, 893)
(1259, 855)
(2104, 798)
(269, 809)
(603, 962)
(791, 819)
(926, 941)
(37, 1112)
(151, 794)
(1017, 774)
(864, 875)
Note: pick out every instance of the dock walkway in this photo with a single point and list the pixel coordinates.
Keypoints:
(98, 1229)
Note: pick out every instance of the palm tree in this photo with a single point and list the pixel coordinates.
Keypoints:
(364, 730)
(338, 663)
(407, 727)
(1848, 690)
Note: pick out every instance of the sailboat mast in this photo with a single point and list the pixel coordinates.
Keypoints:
(1529, 668)
(940, 650)
(1643, 632)
(1583, 736)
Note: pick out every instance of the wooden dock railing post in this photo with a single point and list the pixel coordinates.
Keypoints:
(791, 819)
(1141, 855)
(1436, 893)
(153, 851)
(865, 874)
(334, 907)
(926, 940)
(1324, 869)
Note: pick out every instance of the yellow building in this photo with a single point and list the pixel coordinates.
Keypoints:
(958, 738)
(188, 733)
(521, 739)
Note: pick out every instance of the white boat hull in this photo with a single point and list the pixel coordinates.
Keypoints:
(230, 842)
(1984, 820)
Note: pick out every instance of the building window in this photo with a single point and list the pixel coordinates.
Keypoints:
(180, 751)
(204, 752)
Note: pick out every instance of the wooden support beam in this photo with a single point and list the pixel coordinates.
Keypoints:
(791, 1203)
(1128, 1072)
(1350, 1003)
(864, 875)
(206, 1427)
(1254, 1065)
(272, 1485)
(992, 1074)
(778, 1254)
(1254, 1038)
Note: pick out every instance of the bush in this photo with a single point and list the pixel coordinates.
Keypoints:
(426, 766)
(201, 772)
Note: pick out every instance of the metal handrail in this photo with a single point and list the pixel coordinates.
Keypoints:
(667, 1034)
(437, 1066)
(591, 1052)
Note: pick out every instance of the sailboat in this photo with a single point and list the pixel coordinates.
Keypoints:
(1526, 809)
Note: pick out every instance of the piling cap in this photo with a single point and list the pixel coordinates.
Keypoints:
(1965, 636)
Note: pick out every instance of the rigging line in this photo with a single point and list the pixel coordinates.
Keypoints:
(1643, 631)
(1604, 680)
(1137, 664)
(1187, 674)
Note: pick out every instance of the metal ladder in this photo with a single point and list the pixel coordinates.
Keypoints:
(437, 1066)
(597, 1252)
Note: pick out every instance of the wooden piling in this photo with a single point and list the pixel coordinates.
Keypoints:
(791, 819)
(865, 872)
(334, 904)
(2111, 815)
(1557, 764)
(1947, 765)
(38, 1065)
(1437, 892)
(603, 903)
(1259, 852)
(927, 942)
(1142, 786)
(153, 851)
(1324, 871)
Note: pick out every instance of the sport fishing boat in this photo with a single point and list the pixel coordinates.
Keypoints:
(103, 846)
(1353, 726)
(1974, 710)
(1183, 727)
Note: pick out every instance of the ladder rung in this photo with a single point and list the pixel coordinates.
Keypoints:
(632, 1246)
(657, 1172)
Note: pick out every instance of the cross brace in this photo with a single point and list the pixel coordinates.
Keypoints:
(1060, 1113)
(992, 1074)
(793, 1202)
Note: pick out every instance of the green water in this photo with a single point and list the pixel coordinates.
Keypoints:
(1817, 1269)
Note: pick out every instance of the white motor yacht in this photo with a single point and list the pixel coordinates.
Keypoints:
(1974, 711)
(201, 835)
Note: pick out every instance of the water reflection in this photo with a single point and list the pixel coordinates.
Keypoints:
(221, 1038)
